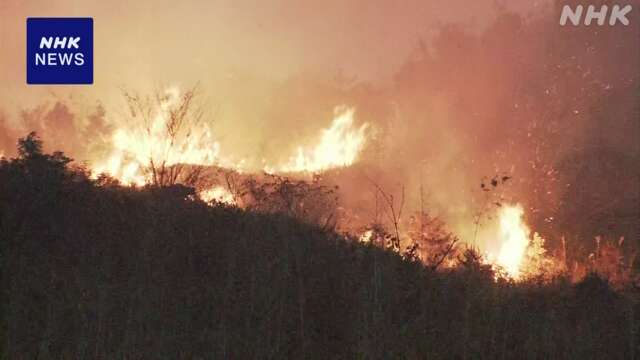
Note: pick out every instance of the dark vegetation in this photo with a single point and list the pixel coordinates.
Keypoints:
(94, 270)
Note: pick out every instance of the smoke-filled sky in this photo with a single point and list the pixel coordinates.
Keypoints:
(161, 41)
(455, 91)
(245, 55)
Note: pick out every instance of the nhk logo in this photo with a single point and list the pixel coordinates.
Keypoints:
(55, 58)
(59, 50)
(616, 14)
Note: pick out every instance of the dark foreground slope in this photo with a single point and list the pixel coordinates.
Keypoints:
(92, 270)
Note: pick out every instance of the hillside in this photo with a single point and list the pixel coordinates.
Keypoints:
(95, 270)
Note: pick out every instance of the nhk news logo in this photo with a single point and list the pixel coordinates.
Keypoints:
(605, 15)
(59, 51)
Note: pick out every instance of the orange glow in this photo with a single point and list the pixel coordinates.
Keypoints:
(218, 194)
(366, 236)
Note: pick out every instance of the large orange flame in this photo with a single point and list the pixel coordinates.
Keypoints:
(514, 236)
(339, 146)
(134, 146)
(521, 253)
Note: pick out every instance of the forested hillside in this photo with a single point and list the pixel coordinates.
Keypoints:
(95, 270)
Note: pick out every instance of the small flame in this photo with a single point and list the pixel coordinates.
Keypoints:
(218, 194)
(339, 146)
(366, 236)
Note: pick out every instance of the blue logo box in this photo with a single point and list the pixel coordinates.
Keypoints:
(59, 50)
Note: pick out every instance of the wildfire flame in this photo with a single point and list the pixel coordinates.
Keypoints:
(366, 236)
(339, 146)
(515, 238)
(135, 146)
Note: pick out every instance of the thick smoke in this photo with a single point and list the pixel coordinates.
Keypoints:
(552, 109)
(549, 111)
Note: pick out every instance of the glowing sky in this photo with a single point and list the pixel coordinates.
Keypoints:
(193, 40)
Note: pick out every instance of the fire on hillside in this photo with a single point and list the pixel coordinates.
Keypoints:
(168, 143)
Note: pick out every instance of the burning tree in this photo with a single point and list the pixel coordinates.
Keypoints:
(165, 139)
(175, 118)
(432, 242)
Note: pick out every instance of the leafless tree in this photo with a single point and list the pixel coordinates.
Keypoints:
(392, 211)
(184, 117)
